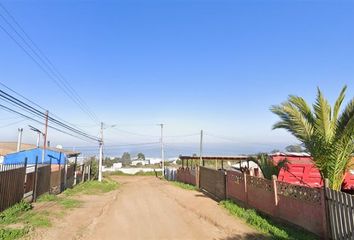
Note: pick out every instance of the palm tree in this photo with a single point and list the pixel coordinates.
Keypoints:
(327, 134)
(267, 166)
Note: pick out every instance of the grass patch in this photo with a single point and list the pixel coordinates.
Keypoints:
(69, 203)
(93, 187)
(184, 185)
(63, 201)
(48, 198)
(266, 225)
(11, 214)
(36, 219)
(12, 233)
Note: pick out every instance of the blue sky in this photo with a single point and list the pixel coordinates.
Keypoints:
(212, 65)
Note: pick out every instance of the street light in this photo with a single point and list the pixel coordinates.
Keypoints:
(39, 132)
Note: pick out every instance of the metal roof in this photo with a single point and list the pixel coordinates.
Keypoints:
(11, 147)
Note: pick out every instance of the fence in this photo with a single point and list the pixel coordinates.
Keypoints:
(171, 174)
(341, 214)
(12, 178)
(22, 181)
(186, 175)
(302, 206)
(213, 182)
(298, 205)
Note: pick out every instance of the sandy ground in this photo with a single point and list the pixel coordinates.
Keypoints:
(148, 208)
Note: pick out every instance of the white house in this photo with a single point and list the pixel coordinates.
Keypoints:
(140, 162)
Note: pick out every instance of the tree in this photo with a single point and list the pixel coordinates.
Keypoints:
(94, 167)
(126, 160)
(325, 132)
(141, 156)
(267, 166)
(294, 148)
(108, 162)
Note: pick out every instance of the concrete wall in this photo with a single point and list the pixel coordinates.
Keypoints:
(295, 204)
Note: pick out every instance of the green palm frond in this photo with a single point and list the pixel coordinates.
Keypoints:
(327, 135)
(322, 111)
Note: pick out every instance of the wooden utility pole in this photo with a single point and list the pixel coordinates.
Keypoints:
(45, 135)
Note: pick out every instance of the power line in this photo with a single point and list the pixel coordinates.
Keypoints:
(35, 120)
(13, 123)
(49, 67)
(122, 145)
(37, 105)
(30, 109)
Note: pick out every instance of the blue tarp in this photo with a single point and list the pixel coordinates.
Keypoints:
(50, 155)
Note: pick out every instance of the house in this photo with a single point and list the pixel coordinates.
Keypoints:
(9, 154)
(140, 162)
(300, 169)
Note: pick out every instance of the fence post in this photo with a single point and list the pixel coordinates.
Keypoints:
(275, 192)
(50, 174)
(65, 172)
(83, 173)
(245, 187)
(197, 177)
(24, 184)
(75, 165)
(34, 196)
(89, 172)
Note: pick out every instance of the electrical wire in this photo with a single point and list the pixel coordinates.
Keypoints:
(49, 67)
(7, 97)
(35, 120)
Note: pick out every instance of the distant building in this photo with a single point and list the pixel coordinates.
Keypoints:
(140, 162)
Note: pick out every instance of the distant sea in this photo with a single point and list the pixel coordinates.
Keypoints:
(174, 150)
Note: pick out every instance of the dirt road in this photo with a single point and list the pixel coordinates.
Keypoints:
(149, 208)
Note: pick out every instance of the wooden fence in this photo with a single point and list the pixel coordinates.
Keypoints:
(341, 214)
(213, 182)
(11, 186)
(22, 181)
(43, 179)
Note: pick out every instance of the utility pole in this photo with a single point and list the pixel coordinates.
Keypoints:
(101, 154)
(19, 139)
(162, 152)
(45, 135)
(201, 148)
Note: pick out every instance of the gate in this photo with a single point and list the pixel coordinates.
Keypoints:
(340, 207)
(213, 182)
(43, 179)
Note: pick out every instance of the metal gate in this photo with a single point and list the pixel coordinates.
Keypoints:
(213, 182)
